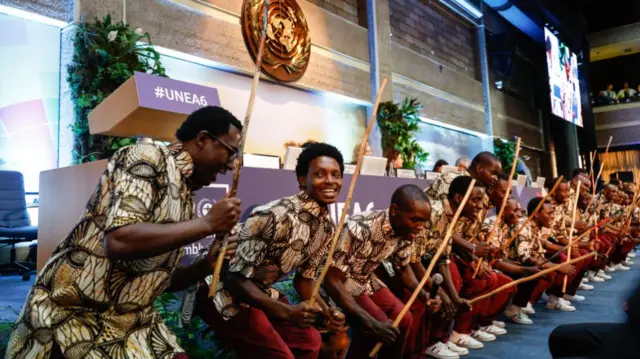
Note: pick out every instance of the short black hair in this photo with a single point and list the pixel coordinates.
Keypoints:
(312, 151)
(483, 157)
(503, 177)
(213, 119)
(615, 182)
(579, 171)
(534, 203)
(407, 193)
(440, 163)
(550, 182)
(460, 184)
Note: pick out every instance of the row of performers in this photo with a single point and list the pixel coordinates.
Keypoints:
(94, 297)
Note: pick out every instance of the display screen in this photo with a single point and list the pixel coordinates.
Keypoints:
(562, 65)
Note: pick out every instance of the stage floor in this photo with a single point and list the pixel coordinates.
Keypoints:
(604, 304)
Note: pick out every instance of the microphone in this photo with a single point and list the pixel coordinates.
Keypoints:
(437, 280)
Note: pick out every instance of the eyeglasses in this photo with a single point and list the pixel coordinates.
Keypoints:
(233, 152)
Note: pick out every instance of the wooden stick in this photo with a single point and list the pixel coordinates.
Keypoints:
(495, 225)
(604, 159)
(550, 259)
(532, 277)
(555, 186)
(347, 204)
(432, 264)
(243, 140)
(573, 223)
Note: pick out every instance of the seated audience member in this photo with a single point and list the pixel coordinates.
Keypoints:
(609, 94)
(462, 164)
(368, 240)
(283, 236)
(394, 159)
(356, 150)
(626, 93)
(438, 166)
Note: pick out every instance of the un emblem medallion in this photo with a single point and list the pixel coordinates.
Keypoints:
(288, 45)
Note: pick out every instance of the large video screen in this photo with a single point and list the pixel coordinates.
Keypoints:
(563, 79)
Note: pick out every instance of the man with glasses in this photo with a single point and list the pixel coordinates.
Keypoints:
(93, 298)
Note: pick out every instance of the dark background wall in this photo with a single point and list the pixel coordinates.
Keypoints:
(616, 71)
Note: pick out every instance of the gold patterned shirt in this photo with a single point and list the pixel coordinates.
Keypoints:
(428, 240)
(366, 241)
(93, 307)
(500, 234)
(561, 215)
(292, 233)
(529, 243)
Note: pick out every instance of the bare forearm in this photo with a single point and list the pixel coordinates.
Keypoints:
(145, 240)
(462, 243)
(304, 287)
(509, 267)
(344, 299)
(247, 292)
(184, 277)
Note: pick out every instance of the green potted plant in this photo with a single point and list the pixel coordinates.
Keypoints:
(505, 150)
(398, 125)
(106, 54)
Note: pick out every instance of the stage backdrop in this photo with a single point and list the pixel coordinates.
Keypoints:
(259, 186)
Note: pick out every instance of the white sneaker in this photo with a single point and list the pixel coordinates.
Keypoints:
(545, 296)
(593, 277)
(555, 303)
(529, 309)
(585, 280)
(573, 298)
(492, 329)
(631, 255)
(586, 287)
(482, 336)
(441, 351)
(622, 267)
(499, 324)
(564, 301)
(611, 269)
(456, 349)
(628, 261)
(602, 274)
(521, 318)
(465, 341)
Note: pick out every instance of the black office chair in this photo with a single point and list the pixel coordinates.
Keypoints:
(15, 226)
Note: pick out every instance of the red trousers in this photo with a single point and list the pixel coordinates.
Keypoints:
(623, 248)
(487, 310)
(383, 306)
(252, 334)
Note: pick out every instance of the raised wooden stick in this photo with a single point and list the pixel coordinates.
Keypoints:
(550, 259)
(432, 264)
(496, 224)
(604, 159)
(347, 203)
(213, 287)
(573, 223)
(531, 277)
(531, 215)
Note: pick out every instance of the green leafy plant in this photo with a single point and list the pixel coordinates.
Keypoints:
(398, 124)
(106, 54)
(505, 150)
(196, 338)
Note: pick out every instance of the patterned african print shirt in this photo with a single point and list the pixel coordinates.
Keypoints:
(428, 240)
(292, 233)
(93, 307)
(607, 209)
(529, 243)
(366, 241)
(561, 215)
(439, 189)
(500, 234)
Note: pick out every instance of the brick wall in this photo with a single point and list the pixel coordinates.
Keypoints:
(347, 9)
(434, 32)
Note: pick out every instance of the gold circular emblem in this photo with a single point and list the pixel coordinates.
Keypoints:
(288, 45)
